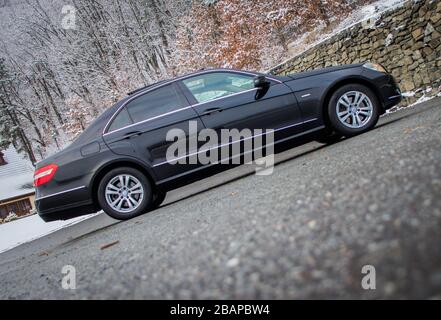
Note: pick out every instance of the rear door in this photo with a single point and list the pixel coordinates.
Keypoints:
(141, 126)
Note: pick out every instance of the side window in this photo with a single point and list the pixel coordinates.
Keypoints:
(120, 121)
(211, 86)
(155, 103)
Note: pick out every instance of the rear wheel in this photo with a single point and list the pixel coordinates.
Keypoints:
(353, 109)
(125, 193)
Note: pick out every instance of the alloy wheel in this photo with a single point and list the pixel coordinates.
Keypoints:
(354, 109)
(124, 193)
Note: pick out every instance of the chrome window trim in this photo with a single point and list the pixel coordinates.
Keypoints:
(230, 143)
(127, 102)
(147, 120)
(61, 192)
(147, 90)
(178, 110)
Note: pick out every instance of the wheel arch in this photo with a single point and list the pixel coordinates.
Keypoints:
(340, 83)
(104, 169)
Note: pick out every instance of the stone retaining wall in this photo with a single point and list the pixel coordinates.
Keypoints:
(406, 40)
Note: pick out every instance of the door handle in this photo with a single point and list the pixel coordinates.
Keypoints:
(211, 111)
(132, 134)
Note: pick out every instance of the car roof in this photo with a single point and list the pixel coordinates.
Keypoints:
(200, 72)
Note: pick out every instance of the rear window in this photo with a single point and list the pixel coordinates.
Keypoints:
(121, 120)
(95, 129)
(155, 103)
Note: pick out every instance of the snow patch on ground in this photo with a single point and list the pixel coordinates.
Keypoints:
(21, 231)
(16, 185)
(389, 39)
(408, 94)
(422, 99)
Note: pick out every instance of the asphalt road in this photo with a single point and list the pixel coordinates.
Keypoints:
(304, 232)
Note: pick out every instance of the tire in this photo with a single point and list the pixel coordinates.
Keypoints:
(158, 199)
(132, 194)
(360, 117)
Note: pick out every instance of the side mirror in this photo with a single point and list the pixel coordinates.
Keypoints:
(261, 82)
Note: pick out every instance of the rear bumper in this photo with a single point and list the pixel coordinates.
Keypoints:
(66, 214)
(65, 205)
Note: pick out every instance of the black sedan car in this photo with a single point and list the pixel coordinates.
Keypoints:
(119, 163)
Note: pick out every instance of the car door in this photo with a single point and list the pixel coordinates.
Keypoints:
(229, 100)
(140, 128)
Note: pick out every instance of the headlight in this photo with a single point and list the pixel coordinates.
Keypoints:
(374, 66)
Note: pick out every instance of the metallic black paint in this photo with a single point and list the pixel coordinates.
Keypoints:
(293, 105)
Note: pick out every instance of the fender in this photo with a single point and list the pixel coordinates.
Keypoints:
(126, 159)
(347, 80)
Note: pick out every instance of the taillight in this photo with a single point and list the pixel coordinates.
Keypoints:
(44, 175)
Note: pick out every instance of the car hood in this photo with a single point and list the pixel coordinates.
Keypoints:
(321, 71)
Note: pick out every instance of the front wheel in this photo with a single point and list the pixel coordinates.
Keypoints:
(353, 109)
(125, 193)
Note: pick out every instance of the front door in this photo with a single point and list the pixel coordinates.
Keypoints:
(229, 100)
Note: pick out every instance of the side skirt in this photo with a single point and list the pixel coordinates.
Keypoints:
(205, 167)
